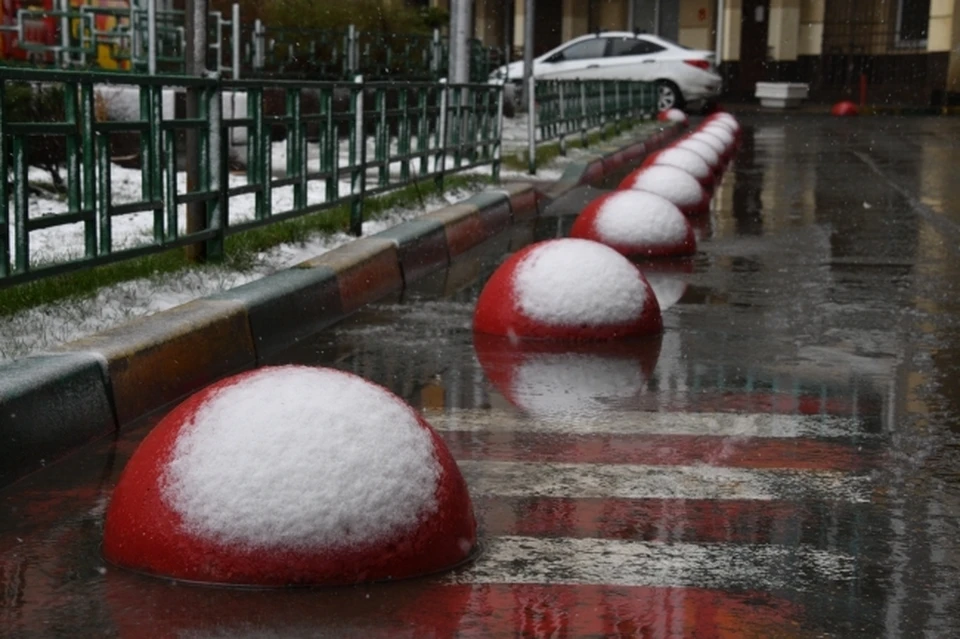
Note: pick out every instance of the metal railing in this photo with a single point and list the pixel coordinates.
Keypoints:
(566, 108)
(304, 147)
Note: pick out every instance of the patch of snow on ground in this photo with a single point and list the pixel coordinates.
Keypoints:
(639, 218)
(283, 459)
(571, 282)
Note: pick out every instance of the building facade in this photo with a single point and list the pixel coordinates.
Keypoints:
(899, 51)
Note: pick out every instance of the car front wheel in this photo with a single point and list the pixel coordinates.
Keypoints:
(668, 96)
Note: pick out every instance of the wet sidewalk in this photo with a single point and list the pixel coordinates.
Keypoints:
(782, 462)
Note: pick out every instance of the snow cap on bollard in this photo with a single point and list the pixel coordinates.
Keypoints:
(676, 185)
(673, 115)
(705, 151)
(567, 289)
(723, 133)
(846, 108)
(636, 223)
(714, 143)
(686, 160)
(290, 475)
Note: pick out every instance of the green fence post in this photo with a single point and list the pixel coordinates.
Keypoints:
(498, 132)
(381, 143)
(212, 146)
(21, 206)
(441, 135)
(170, 199)
(403, 134)
(329, 147)
(105, 234)
(358, 159)
(88, 118)
(70, 108)
(584, 139)
(4, 195)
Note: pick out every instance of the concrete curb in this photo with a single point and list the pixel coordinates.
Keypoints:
(52, 404)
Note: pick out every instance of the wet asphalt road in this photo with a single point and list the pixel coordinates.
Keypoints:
(783, 462)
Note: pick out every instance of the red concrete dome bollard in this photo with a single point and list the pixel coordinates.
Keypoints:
(636, 223)
(705, 151)
(567, 289)
(673, 184)
(290, 475)
(686, 160)
(673, 115)
(720, 148)
(846, 108)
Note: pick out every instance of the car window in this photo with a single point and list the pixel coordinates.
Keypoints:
(585, 50)
(633, 46)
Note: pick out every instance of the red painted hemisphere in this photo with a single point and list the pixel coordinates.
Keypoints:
(684, 159)
(673, 115)
(567, 289)
(845, 108)
(636, 223)
(261, 479)
(673, 184)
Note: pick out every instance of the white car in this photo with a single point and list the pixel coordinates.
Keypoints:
(685, 78)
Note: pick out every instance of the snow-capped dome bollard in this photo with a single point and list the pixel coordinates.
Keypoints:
(686, 160)
(714, 143)
(723, 133)
(676, 185)
(845, 108)
(567, 289)
(705, 151)
(636, 223)
(673, 115)
(290, 475)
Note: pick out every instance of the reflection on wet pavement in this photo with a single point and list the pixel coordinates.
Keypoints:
(783, 461)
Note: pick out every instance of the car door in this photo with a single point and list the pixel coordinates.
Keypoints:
(632, 58)
(581, 59)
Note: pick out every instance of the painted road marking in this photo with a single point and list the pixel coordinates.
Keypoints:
(661, 450)
(717, 424)
(537, 560)
(621, 481)
(664, 520)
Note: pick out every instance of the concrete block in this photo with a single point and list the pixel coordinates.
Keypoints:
(493, 208)
(49, 405)
(463, 227)
(288, 306)
(421, 245)
(162, 358)
(524, 200)
(367, 269)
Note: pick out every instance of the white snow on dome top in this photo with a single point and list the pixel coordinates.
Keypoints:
(675, 115)
(575, 384)
(571, 282)
(297, 457)
(721, 132)
(702, 149)
(674, 184)
(710, 140)
(684, 159)
(640, 218)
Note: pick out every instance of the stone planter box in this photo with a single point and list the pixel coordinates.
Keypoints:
(781, 95)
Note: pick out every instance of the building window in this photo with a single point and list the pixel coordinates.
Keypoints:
(913, 18)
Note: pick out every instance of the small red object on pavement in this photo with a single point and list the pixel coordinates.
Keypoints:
(844, 108)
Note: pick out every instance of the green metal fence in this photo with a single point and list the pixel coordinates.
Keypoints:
(342, 143)
(574, 107)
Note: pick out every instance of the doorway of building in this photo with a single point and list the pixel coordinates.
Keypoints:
(754, 28)
(548, 30)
